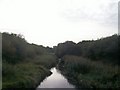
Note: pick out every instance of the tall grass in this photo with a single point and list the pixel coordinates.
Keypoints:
(91, 74)
(46, 60)
(27, 74)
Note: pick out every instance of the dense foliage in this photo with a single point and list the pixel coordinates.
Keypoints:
(24, 65)
(15, 48)
(104, 48)
(89, 64)
(85, 73)
(92, 63)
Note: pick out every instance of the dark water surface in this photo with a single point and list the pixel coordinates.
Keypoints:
(55, 80)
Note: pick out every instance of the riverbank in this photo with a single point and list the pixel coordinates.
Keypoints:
(85, 73)
(24, 65)
(27, 74)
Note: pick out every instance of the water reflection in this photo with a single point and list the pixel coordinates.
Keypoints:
(56, 80)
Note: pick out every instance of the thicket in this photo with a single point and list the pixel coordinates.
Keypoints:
(24, 65)
(91, 63)
(106, 49)
(85, 73)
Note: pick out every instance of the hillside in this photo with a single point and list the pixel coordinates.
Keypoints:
(91, 64)
(104, 48)
(24, 65)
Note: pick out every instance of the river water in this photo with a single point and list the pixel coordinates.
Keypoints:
(55, 80)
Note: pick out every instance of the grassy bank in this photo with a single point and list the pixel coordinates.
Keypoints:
(27, 74)
(24, 65)
(90, 74)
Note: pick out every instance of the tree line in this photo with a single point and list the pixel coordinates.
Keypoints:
(16, 48)
(91, 63)
(104, 48)
(24, 65)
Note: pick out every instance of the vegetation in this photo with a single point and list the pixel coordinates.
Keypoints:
(87, 64)
(106, 49)
(91, 64)
(85, 73)
(24, 65)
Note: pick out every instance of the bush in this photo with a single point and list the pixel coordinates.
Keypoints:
(91, 74)
(24, 75)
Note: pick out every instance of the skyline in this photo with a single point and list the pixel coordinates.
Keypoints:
(49, 22)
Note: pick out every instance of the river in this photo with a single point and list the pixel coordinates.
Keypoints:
(55, 80)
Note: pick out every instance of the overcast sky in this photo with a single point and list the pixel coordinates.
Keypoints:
(49, 22)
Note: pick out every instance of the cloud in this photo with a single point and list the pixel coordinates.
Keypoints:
(103, 12)
(49, 22)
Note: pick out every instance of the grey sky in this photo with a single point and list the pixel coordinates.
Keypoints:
(49, 22)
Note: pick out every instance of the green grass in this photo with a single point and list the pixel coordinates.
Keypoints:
(46, 60)
(27, 74)
(91, 74)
